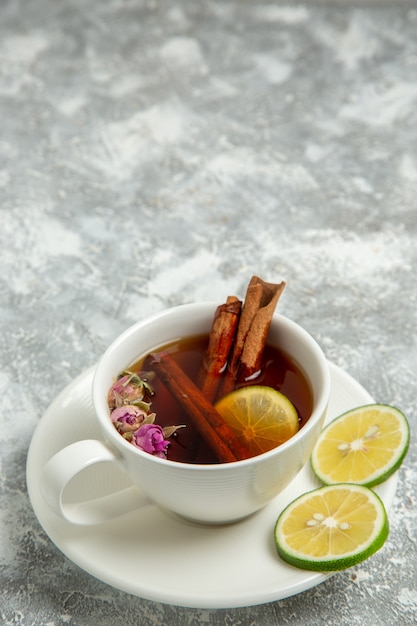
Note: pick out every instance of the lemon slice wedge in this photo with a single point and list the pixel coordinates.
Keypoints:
(331, 528)
(260, 416)
(364, 446)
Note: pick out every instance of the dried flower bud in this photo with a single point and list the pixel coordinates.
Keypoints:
(128, 418)
(150, 438)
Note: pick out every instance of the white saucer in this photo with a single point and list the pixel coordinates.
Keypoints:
(151, 554)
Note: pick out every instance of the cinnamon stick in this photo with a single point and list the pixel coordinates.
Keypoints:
(221, 338)
(258, 308)
(207, 420)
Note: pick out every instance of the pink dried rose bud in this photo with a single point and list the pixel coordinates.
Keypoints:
(129, 389)
(128, 418)
(150, 438)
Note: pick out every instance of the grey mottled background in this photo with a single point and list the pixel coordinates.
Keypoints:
(154, 153)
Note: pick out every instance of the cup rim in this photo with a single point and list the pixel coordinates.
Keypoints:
(205, 306)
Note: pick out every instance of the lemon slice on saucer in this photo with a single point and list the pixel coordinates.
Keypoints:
(331, 528)
(260, 416)
(364, 445)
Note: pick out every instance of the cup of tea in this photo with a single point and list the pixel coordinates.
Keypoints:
(187, 483)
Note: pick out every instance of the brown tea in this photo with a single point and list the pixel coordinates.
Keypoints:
(186, 445)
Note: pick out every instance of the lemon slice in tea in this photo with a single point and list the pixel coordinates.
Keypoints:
(260, 416)
(331, 528)
(364, 445)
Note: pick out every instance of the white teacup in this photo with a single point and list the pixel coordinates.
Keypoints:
(211, 494)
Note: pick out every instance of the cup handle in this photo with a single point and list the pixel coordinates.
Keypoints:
(66, 464)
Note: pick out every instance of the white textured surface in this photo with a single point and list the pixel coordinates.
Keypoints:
(154, 153)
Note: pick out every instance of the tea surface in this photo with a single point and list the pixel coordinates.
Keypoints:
(187, 446)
